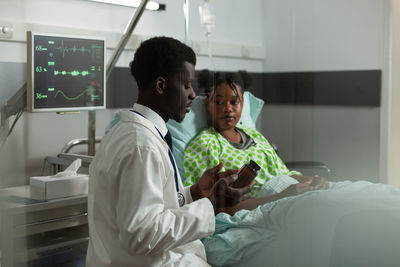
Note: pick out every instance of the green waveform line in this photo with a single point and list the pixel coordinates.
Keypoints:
(72, 98)
(73, 49)
(72, 73)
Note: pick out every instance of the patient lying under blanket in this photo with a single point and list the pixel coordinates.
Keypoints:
(349, 224)
(297, 224)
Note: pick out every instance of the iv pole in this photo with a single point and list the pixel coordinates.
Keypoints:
(110, 66)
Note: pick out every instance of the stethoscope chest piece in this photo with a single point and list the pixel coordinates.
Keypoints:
(181, 199)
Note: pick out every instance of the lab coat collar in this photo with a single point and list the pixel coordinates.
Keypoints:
(152, 116)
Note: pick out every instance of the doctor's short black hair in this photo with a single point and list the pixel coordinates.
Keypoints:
(159, 56)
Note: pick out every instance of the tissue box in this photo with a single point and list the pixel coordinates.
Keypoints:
(50, 187)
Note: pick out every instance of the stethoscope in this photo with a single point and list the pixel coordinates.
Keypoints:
(181, 198)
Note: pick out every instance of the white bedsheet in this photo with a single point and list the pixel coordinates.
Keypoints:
(350, 224)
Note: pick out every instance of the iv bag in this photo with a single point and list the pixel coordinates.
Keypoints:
(207, 18)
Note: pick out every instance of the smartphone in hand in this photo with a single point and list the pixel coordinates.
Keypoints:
(246, 174)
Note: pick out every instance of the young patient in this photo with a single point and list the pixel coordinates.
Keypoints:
(227, 143)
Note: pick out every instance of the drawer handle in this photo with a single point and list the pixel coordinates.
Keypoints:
(52, 220)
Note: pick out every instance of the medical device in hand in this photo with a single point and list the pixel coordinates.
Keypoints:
(246, 174)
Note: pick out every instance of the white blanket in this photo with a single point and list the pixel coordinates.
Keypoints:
(350, 224)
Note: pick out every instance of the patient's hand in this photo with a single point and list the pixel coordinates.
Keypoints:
(306, 183)
(295, 189)
(318, 182)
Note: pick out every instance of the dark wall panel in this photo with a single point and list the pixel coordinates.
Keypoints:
(122, 90)
(340, 88)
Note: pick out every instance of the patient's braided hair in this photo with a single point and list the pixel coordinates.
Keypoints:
(208, 81)
(159, 56)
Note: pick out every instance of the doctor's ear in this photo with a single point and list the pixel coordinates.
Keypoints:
(160, 85)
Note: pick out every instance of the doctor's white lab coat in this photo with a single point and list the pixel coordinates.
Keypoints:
(133, 211)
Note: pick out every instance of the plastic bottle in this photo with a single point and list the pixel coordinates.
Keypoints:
(246, 174)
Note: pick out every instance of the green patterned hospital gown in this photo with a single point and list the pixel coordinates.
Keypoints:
(210, 147)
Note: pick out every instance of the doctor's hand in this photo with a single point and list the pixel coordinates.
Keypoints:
(222, 195)
(207, 181)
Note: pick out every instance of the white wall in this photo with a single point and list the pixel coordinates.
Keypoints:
(394, 98)
(39, 135)
(344, 138)
(297, 35)
(302, 35)
(326, 35)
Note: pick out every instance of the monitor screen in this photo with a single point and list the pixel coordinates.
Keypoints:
(65, 73)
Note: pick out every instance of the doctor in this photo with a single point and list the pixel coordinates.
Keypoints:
(139, 212)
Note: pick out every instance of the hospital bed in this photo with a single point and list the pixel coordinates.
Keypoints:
(197, 120)
(349, 224)
(65, 157)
